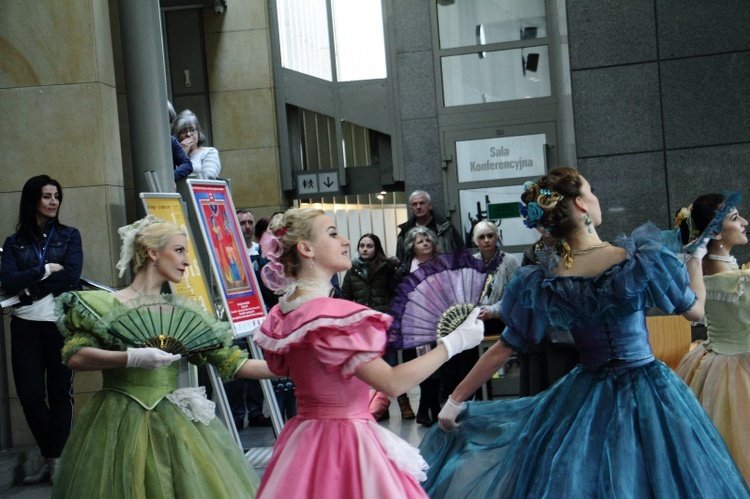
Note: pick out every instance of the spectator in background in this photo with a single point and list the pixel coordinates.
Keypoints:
(502, 267)
(41, 260)
(245, 396)
(205, 159)
(181, 164)
(420, 204)
(420, 245)
(370, 282)
(247, 224)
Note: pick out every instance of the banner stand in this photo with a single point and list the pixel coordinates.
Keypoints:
(171, 207)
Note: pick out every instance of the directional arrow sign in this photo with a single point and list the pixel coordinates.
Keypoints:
(328, 182)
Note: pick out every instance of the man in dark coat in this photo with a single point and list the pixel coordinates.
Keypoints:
(420, 205)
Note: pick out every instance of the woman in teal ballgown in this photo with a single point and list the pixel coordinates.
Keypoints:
(620, 424)
(139, 436)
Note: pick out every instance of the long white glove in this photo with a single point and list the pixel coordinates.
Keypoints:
(468, 334)
(150, 358)
(449, 413)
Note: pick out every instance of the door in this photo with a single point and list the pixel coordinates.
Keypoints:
(486, 170)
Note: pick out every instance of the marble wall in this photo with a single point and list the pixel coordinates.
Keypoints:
(243, 113)
(59, 109)
(660, 101)
(63, 100)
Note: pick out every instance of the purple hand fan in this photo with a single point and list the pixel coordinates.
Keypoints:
(436, 298)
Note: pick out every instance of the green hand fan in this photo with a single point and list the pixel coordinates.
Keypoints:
(173, 327)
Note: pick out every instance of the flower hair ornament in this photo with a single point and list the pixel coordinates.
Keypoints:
(546, 201)
(127, 234)
(272, 273)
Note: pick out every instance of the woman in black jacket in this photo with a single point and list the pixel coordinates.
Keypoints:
(370, 280)
(40, 261)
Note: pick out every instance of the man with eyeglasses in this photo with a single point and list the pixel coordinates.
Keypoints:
(420, 204)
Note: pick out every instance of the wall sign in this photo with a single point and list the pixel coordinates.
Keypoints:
(501, 158)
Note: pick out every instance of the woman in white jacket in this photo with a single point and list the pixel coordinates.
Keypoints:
(187, 130)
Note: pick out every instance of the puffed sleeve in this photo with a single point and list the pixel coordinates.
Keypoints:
(78, 320)
(524, 327)
(347, 343)
(665, 276)
(340, 334)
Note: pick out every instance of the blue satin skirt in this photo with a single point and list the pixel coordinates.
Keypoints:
(634, 433)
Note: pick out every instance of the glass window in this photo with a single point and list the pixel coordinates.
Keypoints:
(480, 22)
(497, 76)
(303, 37)
(359, 38)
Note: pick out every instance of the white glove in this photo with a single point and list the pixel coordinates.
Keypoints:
(449, 413)
(150, 358)
(698, 251)
(468, 334)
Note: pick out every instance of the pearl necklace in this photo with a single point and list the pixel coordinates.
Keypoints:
(590, 249)
(721, 258)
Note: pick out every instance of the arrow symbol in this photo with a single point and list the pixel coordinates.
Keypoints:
(328, 182)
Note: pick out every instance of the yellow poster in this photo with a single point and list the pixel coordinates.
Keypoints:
(169, 207)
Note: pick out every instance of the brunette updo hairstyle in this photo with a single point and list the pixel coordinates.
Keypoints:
(703, 213)
(557, 219)
(291, 227)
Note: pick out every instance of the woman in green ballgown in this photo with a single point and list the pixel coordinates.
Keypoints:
(139, 436)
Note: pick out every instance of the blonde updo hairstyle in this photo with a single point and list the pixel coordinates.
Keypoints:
(291, 227)
(554, 193)
(147, 233)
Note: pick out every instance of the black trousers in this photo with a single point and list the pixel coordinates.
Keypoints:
(429, 389)
(44, 385)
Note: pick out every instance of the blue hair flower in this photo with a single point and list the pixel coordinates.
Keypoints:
(531, 213)
(535, 211)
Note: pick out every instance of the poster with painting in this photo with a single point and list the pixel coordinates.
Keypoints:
(233, 272)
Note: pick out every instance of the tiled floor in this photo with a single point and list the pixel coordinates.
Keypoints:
(260, 440)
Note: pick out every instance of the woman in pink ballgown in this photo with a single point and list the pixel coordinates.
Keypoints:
(332, 350)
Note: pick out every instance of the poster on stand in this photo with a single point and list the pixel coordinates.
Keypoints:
(233, 272)
(168, 206)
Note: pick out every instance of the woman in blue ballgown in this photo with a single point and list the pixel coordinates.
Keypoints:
(621, 424)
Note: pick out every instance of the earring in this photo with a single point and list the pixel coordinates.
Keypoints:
(312, 263)
(588, 223)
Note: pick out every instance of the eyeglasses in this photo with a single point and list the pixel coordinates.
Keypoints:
(187, 131)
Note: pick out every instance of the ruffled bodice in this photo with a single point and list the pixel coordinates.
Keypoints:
(319, 345)
(728, 312)
(333, 446)
(606, 313)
